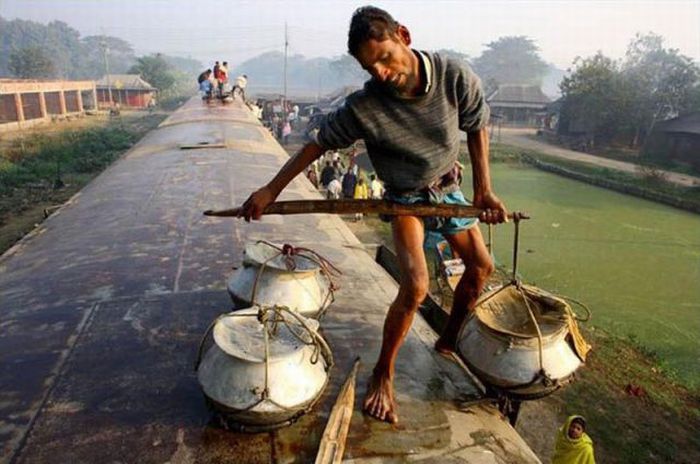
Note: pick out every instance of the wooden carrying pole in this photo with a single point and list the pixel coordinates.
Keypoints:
(332, 446)
(361, 206)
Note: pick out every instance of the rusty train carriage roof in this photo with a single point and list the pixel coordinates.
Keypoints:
(103, 305)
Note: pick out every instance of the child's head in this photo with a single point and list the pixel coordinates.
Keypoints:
(577, 427)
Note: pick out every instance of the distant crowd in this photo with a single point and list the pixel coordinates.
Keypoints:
(338, 175)
(215, 83)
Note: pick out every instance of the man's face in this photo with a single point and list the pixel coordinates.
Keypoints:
(575, 430)
(391, 61)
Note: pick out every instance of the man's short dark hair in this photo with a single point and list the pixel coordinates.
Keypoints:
(369, 22)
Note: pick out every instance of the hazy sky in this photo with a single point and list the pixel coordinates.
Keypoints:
(237, 30)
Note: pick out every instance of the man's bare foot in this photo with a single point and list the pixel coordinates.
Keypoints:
(445, 347)
(379, 401)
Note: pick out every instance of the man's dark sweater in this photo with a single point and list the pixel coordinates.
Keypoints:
(411, 141)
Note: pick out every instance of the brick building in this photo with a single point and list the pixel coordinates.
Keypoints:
(129, 90)
(25, 102)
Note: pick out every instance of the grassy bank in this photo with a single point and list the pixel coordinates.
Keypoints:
(636, 410)
(648, 183)
(42, 169)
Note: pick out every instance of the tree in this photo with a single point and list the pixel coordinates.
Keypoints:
(304, 75)
(187, 66)
(62, 44)
(593, 98)
(119, 53)
(454, 54)
(511, 60)
(662, 82)
(155, 70)
(31, 62)
(348, 71)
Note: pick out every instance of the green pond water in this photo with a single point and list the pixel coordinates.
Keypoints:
(635, 263)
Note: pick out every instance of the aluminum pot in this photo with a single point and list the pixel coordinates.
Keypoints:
(270, 277)
(508, 350)
(267, 367)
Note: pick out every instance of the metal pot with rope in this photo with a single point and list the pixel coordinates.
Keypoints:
(522, 341)
(267, 367)
(297, 277)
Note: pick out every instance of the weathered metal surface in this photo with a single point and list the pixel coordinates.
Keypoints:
(102, 309)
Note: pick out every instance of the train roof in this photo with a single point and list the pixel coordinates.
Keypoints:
(104, 304)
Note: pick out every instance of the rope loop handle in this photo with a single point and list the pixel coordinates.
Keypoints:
(327, 269)
(271, 317)
(585, 308)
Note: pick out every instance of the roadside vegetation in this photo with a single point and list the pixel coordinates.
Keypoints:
(620, 102)
(42, 169)
(649, 181)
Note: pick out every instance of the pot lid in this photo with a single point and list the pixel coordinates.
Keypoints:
(270, 254)
(241, 334)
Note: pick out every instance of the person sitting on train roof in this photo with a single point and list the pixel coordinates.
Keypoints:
(409, 114)
(205, 85)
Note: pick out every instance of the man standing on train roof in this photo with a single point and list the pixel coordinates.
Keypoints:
(409, 114)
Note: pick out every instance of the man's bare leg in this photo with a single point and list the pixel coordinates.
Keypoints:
(408, 239)
(468, 245)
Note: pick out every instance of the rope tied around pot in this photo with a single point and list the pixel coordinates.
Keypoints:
(327, 269)
(567, 316)
(271, 317)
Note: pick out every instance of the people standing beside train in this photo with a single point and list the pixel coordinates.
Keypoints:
(327, 174)
(573, 445)
(361, 193)
(286, 131)
(312, 176)
(349, 182)
(334, 189)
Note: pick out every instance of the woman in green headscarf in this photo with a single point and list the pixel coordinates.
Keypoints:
(573, 445)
